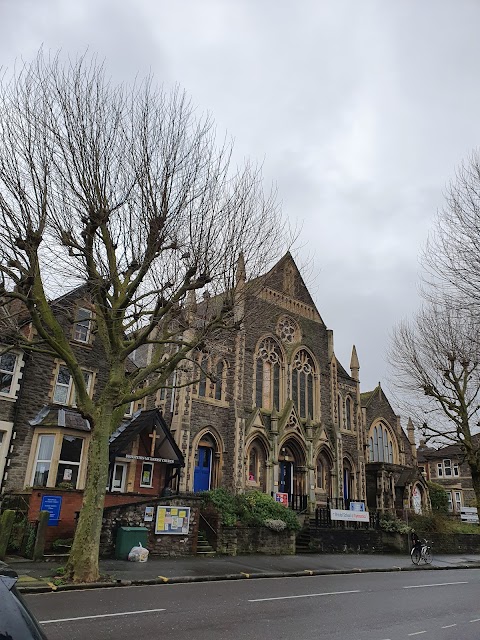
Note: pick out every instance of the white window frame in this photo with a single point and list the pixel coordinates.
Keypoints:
(147, 486)
(447, 465)
(450, 501)
(457, 499)
(6, 430)
(70, 399)
(14, 386)
(79, 321)
(55, 458)
(121, 488)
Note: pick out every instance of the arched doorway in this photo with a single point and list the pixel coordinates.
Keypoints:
(323, 475)
(204, 473)
(292, 473)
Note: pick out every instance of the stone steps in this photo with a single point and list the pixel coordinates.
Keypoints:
(203, 546)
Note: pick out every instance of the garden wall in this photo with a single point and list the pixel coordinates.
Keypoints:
(132, 515)
(453, 542)
(233, 541)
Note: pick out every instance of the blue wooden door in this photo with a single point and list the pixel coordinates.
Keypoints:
(203, 468)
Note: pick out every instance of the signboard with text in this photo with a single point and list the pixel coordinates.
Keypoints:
(357, 506)
(468, 514)
(349, 516)
(52, 504)
(282, 498)
(172, 520)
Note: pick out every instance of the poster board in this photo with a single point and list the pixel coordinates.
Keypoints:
(172, 520)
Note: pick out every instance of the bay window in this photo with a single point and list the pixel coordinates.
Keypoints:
(59, 460)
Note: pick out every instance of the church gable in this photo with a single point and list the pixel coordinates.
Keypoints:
(290, 420)
(283, 286)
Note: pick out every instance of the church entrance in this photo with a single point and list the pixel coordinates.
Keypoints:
(292, 474)
(202, 474)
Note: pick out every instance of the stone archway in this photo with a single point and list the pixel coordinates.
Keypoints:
(206, 462)
(292, 477)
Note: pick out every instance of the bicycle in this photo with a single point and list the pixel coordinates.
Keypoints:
(422, 553)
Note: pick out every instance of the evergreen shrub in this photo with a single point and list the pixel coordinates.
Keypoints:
(250, 509)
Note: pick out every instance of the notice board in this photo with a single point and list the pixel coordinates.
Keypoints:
(172, 520)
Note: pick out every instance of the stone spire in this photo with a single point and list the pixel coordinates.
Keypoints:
(240, 275)
(411, 439)
(354, 365)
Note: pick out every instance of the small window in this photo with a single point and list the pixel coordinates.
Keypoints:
(8, 362)
(253, 465)
(81, 329)
(456, 469)
(450, 500)
(458, 501)
(43, 460)
(447, 467)
(440, 470)
(146, 479)
(348, 414)
(64, 391)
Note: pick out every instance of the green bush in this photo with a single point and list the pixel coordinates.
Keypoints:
(439, 523)
(438, 498)
(393, 524)
(250, 509)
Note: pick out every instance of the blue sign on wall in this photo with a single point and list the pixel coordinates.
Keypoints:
(52, 504)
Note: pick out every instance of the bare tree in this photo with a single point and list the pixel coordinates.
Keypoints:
(125, 190)
(452, 254)
(435, 360)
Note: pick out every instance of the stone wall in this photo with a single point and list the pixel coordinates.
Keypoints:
(453, 543)
(233, 541)
(131, 515)
(347, 541)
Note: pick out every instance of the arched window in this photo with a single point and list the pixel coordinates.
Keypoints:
(348, 414)
(303, 372)
(381, 445)
(202, 382)
(339, 411)
(219, 381)
(211, 374)
(256, 465)
(348, 480)
(324, 471)
(267, 374)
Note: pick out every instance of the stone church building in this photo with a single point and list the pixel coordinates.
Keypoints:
(272, 410)
(280, 413)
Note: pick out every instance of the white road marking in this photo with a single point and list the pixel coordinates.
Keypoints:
(476, 620)
(437, 584)
(447, 626)
(306, 595)
(102, 615)
(417, 633)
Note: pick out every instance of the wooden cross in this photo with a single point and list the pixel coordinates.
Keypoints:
(154, 437)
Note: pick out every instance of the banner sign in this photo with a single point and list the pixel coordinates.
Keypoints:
(282, 498)
(172, 520)
(349, 516)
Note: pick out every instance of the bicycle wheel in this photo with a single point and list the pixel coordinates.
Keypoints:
(416, 555)
(428, 556)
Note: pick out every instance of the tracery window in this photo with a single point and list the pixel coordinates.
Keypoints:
(211, 375)
(380, 443)
(303, 371)
(267, 374)
(288, 330)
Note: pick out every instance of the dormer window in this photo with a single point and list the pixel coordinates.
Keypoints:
(82, 326)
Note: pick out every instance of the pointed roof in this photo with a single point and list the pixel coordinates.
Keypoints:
(354, 364)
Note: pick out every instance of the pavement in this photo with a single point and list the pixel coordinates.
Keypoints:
(43, 576)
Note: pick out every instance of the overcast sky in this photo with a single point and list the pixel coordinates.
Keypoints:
(359, 110)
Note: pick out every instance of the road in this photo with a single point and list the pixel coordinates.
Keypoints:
(437, 605)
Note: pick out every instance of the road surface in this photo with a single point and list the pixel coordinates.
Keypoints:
(437, 605)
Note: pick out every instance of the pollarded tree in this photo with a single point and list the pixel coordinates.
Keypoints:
(435, 359)
(125, 191)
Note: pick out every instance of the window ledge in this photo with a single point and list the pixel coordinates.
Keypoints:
(216, 403)
(8, 398)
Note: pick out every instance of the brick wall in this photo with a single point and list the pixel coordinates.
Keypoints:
(71, 504)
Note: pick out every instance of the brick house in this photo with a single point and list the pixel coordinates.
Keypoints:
(447, 466)
(44, 440)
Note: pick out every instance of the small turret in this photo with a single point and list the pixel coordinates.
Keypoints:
(411, 439)
(354, 365)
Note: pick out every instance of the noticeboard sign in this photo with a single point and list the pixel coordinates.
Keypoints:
(172, 520)
(349, 516)
(52, 504)
(357, 506)
(468, 514)
(282, 498)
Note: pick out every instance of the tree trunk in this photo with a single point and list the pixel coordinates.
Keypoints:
(82, 565)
